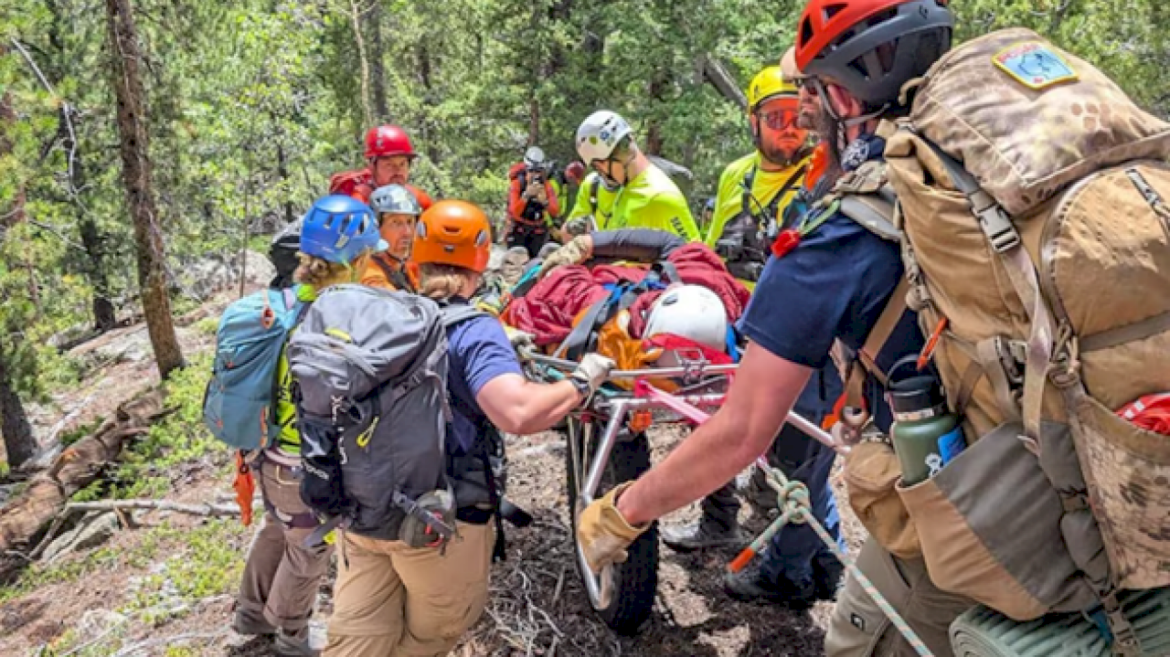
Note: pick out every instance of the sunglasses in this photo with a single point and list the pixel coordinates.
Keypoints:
(780, 119)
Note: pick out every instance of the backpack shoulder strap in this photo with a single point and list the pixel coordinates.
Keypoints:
(749, 180)
(457, 313)
(397, 277)
(856, 368)
(867, 198)
(593, 189)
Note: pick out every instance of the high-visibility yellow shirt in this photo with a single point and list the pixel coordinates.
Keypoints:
(593, 199)
(652, 200)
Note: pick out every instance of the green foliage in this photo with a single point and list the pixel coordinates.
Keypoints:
(253, 104)
(146, 467)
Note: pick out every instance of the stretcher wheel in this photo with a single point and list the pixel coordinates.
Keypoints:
(981, 632)
(634, 582)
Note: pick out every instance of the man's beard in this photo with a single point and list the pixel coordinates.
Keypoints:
(827, 129)
(783, 156)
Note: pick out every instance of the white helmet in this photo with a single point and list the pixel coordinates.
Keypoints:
(600, 134)
(690, 311)
(534, 158)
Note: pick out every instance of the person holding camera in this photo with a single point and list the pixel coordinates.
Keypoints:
(532, 203)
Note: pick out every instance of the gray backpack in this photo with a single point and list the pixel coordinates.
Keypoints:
(370, 367)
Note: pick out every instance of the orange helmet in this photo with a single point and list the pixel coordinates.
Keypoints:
(453, 233)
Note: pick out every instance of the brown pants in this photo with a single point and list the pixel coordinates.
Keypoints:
(282, 576)
(395, 601)
(858, 628)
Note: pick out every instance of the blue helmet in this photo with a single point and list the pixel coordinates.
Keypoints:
(339, 229)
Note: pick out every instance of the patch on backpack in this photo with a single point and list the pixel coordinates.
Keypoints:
(857, 621)
(1034, 65)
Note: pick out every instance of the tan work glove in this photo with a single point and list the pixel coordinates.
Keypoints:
(578, 250)
(593, 370)
(604, 534)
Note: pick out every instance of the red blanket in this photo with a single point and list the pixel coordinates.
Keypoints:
(549, 308)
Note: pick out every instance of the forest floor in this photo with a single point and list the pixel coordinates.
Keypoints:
(164, 583)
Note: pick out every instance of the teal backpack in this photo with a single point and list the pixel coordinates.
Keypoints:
(239, 403)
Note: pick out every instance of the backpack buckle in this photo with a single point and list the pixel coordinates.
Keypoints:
(998, 227)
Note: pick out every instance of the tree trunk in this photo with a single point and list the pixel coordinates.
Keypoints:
(75, 468)
(92, 239)
(19, 443)
(355, 19)
(424, 71)
(282, 171)
(533, 120)
(136, 175)
(373, 21)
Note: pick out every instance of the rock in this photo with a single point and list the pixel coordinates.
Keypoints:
(71, 336)
(206, 276)
(124, 345)
(92, 531)
(95, 622)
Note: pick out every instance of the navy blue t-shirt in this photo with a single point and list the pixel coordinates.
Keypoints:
(478, 351)
(834, 284)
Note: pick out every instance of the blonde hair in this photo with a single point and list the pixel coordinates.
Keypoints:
(320, 273)
(443, 281)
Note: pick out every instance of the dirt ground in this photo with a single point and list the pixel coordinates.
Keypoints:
(537, 607)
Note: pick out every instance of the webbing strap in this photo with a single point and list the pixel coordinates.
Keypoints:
(579, 336)
(988, 357)
(1146, 328)
(873, 213)
(1005, 241)
(865, 363)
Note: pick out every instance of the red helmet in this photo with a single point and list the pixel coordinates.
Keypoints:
(575, 172)
(388, 140)
(872, 47)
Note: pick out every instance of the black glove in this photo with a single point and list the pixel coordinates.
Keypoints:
(321, 485)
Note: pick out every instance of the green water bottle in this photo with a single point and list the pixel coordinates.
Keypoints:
(925, 434)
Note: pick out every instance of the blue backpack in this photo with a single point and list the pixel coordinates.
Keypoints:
(239, 403)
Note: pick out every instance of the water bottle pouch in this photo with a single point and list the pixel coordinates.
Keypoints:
(989, 523)
(871, 474)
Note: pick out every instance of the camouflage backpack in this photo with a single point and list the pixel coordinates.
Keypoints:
(1032, 199)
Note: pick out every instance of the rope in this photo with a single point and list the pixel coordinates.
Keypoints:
(793, 498)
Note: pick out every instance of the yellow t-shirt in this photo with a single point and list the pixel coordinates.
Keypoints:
(584, 207)
(765, 186)
(652, 200)
(289, 439)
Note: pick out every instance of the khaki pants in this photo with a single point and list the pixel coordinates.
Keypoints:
(282, 576)
(858, 628)
(395, 601)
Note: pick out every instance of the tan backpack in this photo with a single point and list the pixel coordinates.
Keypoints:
(1033, 198)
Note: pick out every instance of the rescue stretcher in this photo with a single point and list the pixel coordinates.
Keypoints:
(607, 444)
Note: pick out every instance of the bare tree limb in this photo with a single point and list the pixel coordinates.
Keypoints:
(205, 510)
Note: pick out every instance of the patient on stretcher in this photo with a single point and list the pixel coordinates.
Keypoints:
(641, 297)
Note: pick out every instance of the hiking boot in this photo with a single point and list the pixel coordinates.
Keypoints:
(749, 585)
(248, 625)
(827, 574)
(294, 645)
(760, 495)
(703, 535)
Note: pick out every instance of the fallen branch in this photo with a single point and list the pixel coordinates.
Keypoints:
(76, 467)
(206, 510)
(167, 641)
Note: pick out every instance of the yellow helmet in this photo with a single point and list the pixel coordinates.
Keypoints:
(768, 83)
